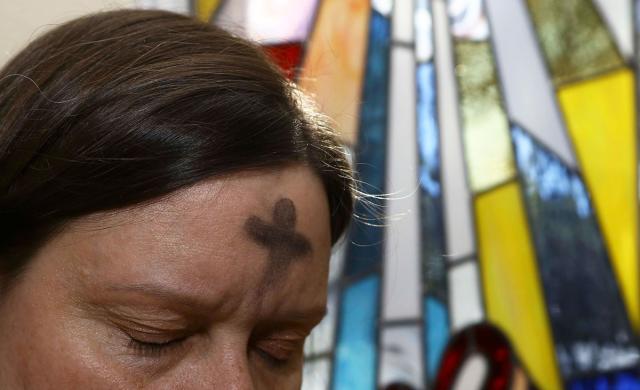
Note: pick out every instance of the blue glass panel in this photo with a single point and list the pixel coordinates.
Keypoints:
(617, 381)
(365, 250)
(437, 333)
(356, 351)
(627, 381)
(432, 219)
(588, 319)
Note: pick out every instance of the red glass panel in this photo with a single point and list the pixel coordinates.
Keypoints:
(485, 340)
(287, 56)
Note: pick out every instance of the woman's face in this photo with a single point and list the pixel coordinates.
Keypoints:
(215, 287)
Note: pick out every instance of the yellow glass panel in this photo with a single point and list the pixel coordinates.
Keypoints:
(333, 69)
(600, 114)
(205, 9)
(512, 291)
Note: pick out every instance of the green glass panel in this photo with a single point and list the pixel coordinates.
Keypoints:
(574, 39)
(485, 127)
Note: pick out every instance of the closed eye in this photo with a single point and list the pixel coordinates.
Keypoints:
(280, 352)
(154, 349)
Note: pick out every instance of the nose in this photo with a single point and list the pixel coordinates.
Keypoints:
(224, 366)
(234, 372)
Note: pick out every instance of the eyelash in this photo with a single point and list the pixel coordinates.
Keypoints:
(273, 361)
(148, 349)
(155, 350)
(294, 349)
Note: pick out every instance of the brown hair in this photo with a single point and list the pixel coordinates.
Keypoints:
(123, 107)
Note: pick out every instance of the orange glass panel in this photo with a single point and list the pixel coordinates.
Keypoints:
(333, 68)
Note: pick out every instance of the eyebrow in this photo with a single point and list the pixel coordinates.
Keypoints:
(316, 315)
(194, 304)
(190, 302)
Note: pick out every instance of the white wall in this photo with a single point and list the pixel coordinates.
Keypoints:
(22, 20)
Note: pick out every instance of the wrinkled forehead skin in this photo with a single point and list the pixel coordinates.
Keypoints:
(226, 224)
(244, 250)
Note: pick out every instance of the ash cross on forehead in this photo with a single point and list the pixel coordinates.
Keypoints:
(284, 243)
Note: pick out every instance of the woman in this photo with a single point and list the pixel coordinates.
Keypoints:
(168, 205)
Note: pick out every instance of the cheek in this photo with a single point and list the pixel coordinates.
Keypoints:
(267, 378)
(42, 345)
(45, 345)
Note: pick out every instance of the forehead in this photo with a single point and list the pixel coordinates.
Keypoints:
(197, 239)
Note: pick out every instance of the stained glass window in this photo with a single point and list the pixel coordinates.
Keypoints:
(497, 143)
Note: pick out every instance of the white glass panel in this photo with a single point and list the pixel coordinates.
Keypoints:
(529, 93)
(321, 338)
(402, 289)
(179, 6)
(468, 19)
(472, 374)
(458, 218)
(401, 356)
(424, 31)
(637, 14)
(315, 375)
(402, 23)
(465, 300)
(337, 260)
(277, 21)
(618, 17)
(232, 16)
(382, 6)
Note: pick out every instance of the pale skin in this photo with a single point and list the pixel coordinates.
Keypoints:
(172, 295)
